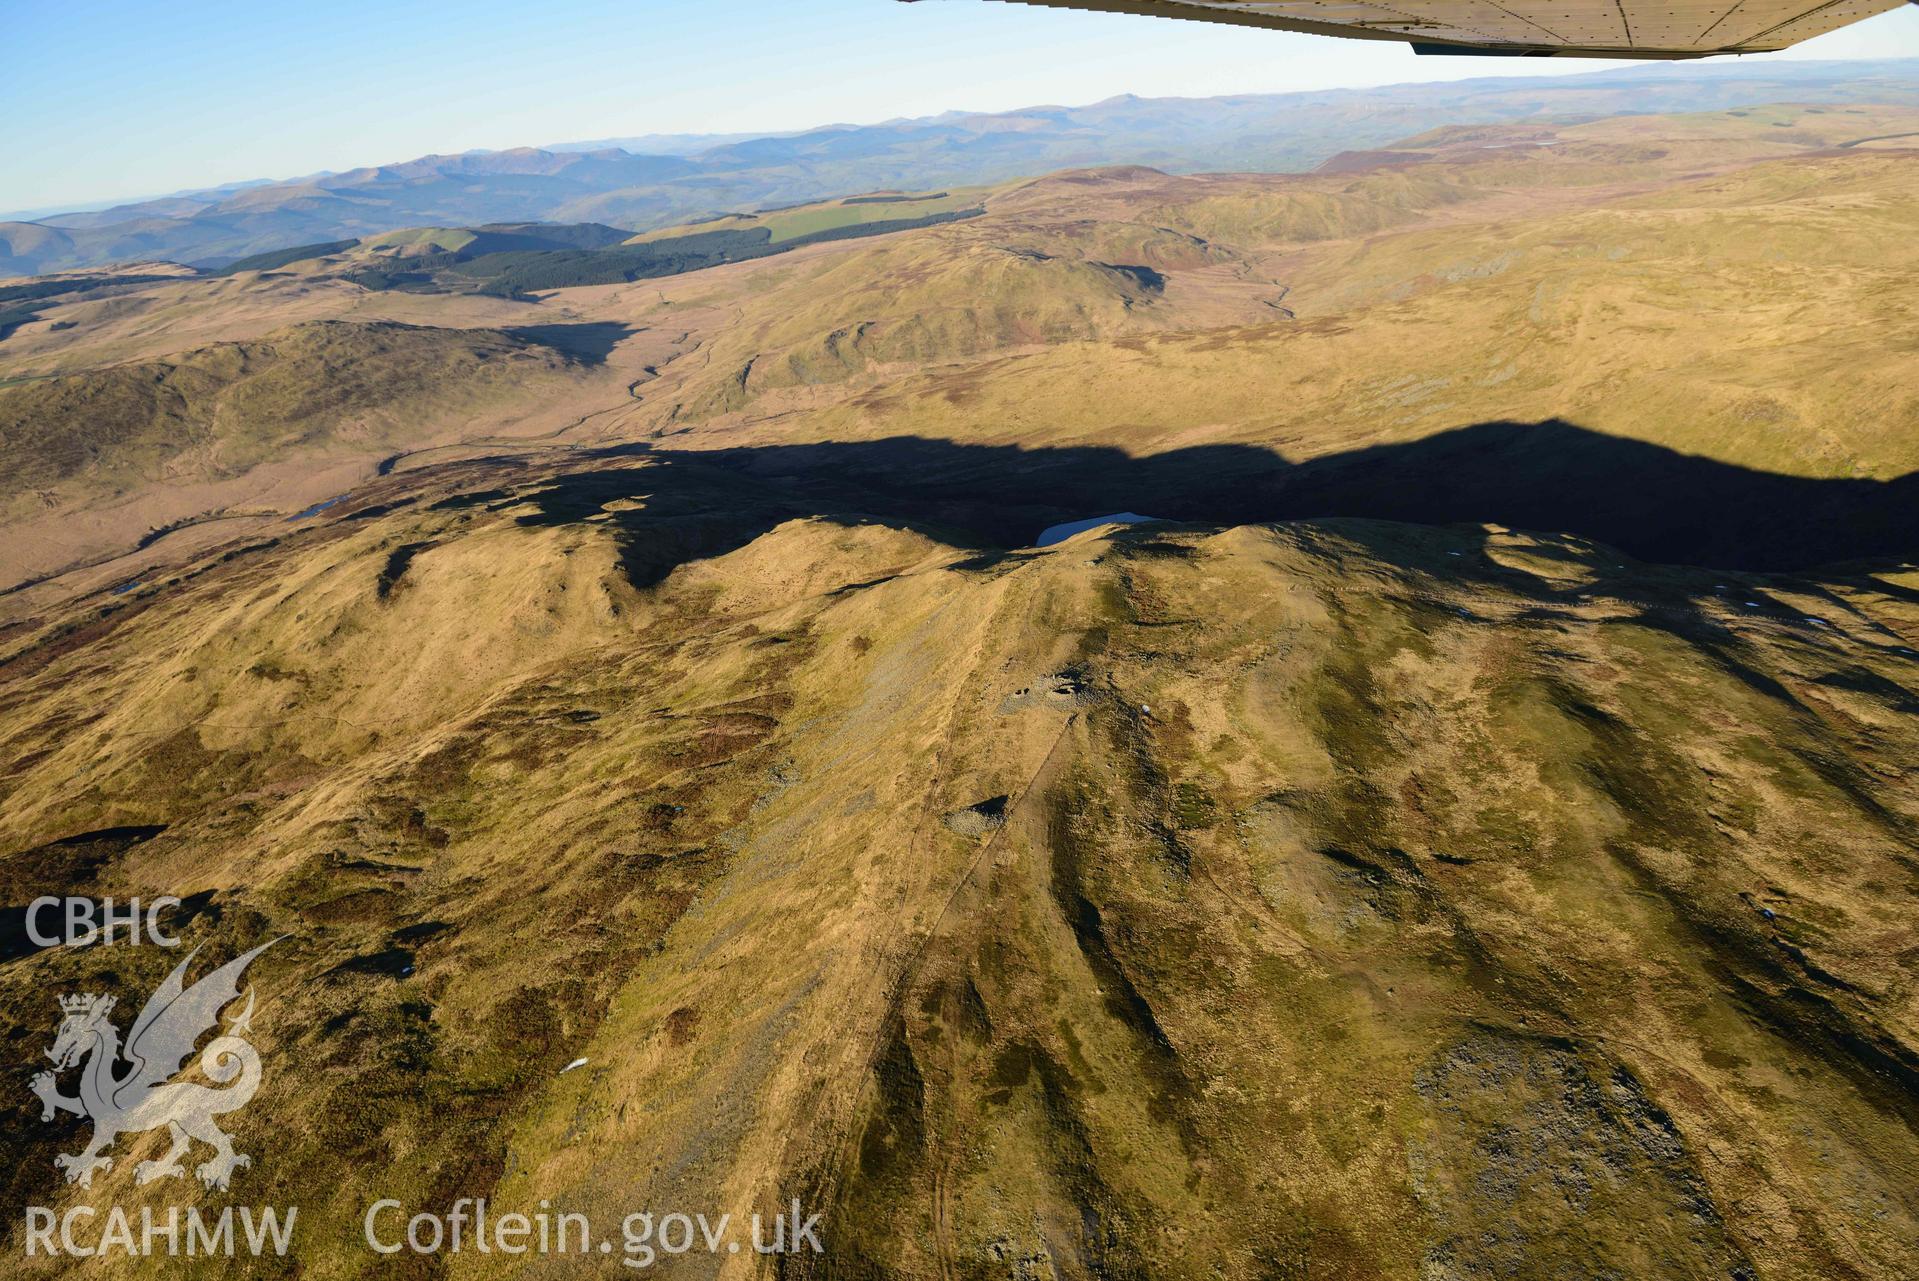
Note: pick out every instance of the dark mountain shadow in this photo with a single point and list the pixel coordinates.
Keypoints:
(589, 342)
(1651, 502)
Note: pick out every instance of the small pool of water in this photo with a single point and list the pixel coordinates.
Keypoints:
(1060, 533)
(317, 508)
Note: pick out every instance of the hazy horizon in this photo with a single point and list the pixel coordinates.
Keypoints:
(290, 95)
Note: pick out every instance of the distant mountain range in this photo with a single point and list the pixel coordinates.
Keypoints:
(682, 178)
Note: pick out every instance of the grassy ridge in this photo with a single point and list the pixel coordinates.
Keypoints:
(282, 257)
(18, 302)
(487, 264)
(218, 410)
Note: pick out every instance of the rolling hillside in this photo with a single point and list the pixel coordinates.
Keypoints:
(1407, 305)
(1464, 827)
(1372, 897)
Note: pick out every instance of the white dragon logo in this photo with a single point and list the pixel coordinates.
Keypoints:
(144, 1098)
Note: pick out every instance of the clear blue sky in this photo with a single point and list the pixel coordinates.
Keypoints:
(109, 99)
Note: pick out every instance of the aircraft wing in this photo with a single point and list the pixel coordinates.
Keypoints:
(1530, 28)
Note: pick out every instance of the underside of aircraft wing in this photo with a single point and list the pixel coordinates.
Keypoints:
(1530, 28)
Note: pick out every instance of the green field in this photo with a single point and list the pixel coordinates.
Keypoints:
(797, 221)
(425, 239)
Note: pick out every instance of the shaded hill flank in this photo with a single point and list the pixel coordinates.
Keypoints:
(222, 409)
(1650, 501)
(1371, 900)
(485, 266)
(22, 303)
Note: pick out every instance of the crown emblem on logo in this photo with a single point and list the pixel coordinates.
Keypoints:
(149, 1093)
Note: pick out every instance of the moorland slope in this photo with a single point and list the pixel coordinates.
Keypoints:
(1474, 838)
